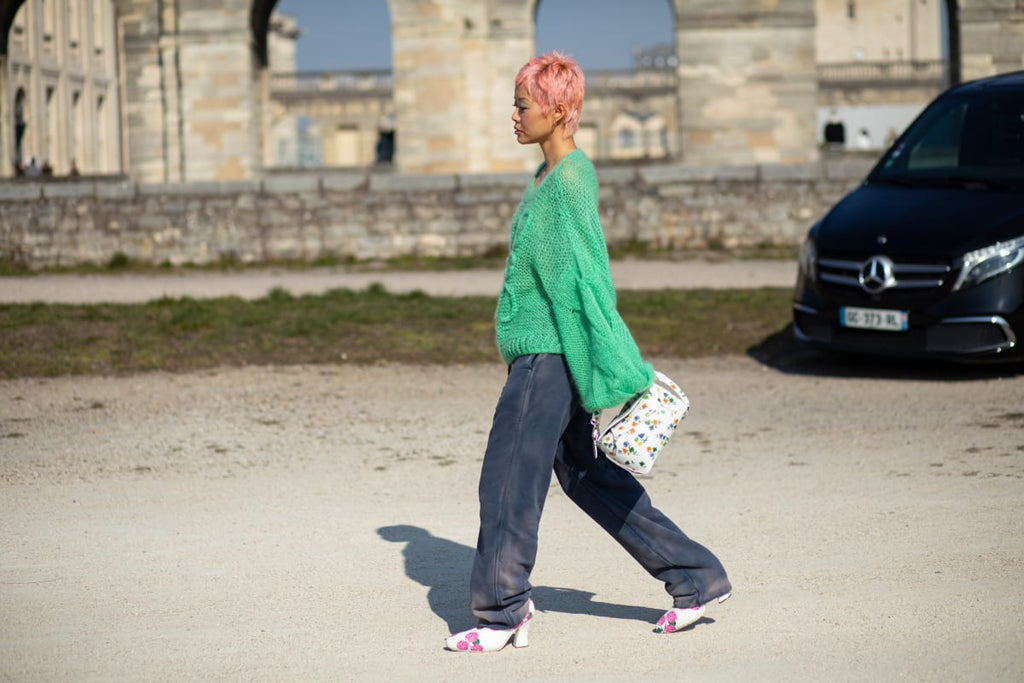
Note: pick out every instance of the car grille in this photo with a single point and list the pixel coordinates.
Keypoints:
(903, 275)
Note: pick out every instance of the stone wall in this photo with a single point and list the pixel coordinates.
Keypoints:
(375, 215)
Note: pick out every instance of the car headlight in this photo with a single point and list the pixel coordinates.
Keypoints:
(809, 259)
(982, 264)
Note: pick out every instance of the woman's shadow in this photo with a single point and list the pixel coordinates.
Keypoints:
(443, 566)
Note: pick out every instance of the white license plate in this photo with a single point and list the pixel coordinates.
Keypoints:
(873, 318)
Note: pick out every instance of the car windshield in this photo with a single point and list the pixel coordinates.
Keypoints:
(974, 139)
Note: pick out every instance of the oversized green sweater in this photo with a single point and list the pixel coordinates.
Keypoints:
(558, 297)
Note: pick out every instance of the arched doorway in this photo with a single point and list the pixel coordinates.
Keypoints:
(330, 97)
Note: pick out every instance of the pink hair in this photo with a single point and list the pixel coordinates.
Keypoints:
(554, 79)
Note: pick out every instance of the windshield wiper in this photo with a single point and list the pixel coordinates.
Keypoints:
(966, 182)
(902, 182)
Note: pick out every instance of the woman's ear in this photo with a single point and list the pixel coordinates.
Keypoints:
(559, 111)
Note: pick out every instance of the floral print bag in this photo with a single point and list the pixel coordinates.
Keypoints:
(636, 436)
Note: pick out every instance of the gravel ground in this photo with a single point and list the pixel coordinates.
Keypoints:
(318, 523)
(251, 284)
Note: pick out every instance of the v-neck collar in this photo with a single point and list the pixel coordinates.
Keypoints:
(537, 180)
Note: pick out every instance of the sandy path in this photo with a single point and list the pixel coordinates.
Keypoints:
(276, 524)
(252, 284)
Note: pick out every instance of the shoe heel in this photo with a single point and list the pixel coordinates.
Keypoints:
(522, 636)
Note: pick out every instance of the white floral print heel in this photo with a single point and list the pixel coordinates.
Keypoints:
(678, 618)
(487, 639)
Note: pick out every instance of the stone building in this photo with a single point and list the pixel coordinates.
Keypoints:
(629, 115)
(879, 31)
(61, 104)
(197, 81)
(879, 63)
(349, 118)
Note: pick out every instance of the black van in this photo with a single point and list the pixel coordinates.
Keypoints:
(926, 257)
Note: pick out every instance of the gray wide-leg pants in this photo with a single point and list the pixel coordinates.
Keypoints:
(540, 426)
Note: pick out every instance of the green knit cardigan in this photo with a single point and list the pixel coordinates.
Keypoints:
(558, 296)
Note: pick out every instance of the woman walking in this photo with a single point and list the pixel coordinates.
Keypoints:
(568, 353)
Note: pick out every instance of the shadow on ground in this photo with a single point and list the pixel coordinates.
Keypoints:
(782, 352)
(443, 566)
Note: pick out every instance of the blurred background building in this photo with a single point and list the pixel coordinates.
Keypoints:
(179, 91)
(879, 62)
(61, 88)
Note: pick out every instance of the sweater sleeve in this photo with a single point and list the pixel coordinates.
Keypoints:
(604, 360)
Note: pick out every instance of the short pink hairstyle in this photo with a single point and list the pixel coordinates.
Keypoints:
(554, 79)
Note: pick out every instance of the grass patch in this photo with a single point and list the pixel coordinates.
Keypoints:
(371, 326)
(704, 322)
(714, 252)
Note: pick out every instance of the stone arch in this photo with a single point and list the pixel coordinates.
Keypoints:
(8, 10)
(10, 136)
(193, 89)
(259, 23)
(334, 115)
(746, 80)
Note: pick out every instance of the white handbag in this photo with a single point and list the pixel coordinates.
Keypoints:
(636, 436)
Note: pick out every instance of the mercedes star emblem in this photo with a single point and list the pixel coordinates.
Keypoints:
(876, 274)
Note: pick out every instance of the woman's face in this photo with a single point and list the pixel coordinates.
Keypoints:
(531, 123)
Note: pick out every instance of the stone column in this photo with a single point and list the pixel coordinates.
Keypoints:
(6, 122)
(191, 89)
(747, 81)
(508, 44)
(143, 126)
(454, 63)
(429, 86)
(220, 90)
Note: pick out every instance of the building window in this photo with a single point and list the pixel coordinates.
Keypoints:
(48, 20)
(74, 32)
(50, 146)
(77, 128)
(20, 124)
(627, 138)
(851, 9)
(100, 148)
(99, 32)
